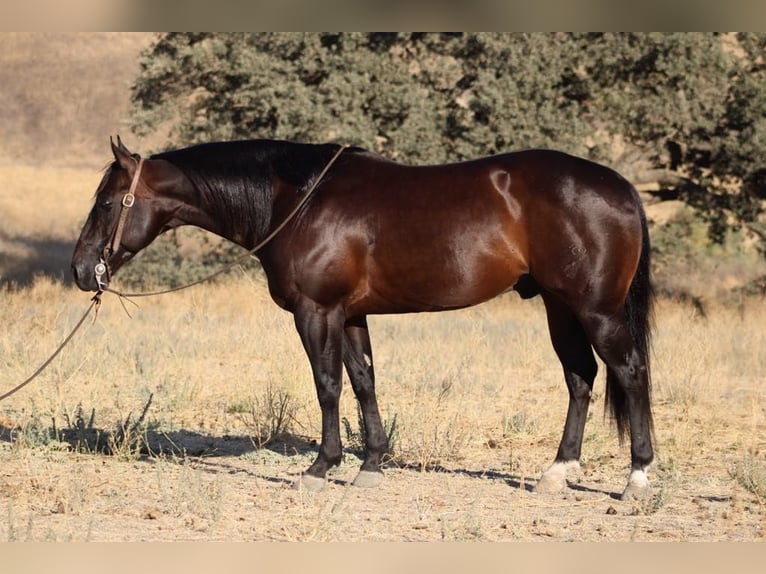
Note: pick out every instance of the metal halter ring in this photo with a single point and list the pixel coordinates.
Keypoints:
(100, 270)
(128, 200)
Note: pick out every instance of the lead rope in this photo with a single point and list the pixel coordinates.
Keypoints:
(96, 300)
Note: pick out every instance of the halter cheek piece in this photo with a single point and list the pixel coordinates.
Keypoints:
(102, 267)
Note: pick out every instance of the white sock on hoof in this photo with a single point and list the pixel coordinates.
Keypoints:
(638, 485)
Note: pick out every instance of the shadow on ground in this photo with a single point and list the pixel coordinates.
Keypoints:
(24, 258)
(152, 443)
(210, 449)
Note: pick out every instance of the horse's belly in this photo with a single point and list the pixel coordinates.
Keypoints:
(441, 281)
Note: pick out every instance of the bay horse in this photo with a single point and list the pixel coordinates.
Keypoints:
(377, 237)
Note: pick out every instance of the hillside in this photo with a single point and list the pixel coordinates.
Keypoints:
(63, 94)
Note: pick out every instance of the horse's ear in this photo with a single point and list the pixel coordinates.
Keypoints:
(122, 145)
(122, 154)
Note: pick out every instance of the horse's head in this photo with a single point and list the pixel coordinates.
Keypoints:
(129, 211)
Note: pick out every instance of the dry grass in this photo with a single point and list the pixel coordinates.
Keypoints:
(479, 404)
(63, 95)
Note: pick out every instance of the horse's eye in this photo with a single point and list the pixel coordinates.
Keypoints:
(106, 204)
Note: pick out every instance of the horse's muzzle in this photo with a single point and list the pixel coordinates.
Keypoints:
(85, 277)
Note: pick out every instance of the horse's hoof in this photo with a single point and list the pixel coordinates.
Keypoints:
(309, 483)
(554, 479)
(550, 484)
(368, 479)
(637, 488)
(635, 492)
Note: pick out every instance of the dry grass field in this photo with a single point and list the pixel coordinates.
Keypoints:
(147, 428)
(190, 418)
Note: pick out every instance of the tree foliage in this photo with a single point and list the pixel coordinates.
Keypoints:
(684, 111)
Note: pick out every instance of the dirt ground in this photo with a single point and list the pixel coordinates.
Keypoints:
(224, 490)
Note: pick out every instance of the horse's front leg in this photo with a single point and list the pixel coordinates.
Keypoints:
(357, 356)
(321, 331)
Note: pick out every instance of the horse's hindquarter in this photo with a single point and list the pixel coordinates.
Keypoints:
(584, 226)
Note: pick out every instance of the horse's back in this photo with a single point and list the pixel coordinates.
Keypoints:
(540, 173)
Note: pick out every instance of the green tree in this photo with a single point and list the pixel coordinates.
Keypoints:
(692, 108)
(418, 97)
(682, 114)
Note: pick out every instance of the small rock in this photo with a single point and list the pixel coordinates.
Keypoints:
(611, 510)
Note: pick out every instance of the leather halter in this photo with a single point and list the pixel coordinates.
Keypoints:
(102, 267)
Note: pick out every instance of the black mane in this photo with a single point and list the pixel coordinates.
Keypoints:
(234, 178)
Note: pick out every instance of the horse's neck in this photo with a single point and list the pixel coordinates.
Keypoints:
(190, 208)
(233, 227)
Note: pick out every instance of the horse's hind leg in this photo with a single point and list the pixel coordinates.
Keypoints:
(627, 391)
(574, 351)
(357, 356)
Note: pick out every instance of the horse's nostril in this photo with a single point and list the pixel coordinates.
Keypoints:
(75, 275)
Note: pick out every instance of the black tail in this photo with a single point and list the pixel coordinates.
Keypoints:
(639, 316)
